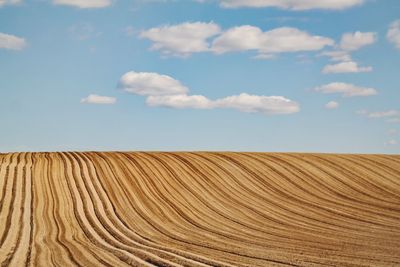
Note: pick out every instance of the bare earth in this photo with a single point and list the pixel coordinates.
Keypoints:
(199, 209)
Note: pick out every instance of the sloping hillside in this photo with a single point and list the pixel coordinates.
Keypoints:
(199, 209)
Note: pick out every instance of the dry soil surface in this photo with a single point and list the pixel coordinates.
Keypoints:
(199, 209)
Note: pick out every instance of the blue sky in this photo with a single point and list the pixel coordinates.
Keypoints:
(287, 75)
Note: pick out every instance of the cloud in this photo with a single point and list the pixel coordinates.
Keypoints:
(356, 40)
(383, 114)
(337, 55)
(149, 83)
(284, 39)
(350, 42)
(9, 2)
(392, 132)
(393, 34)
(332, 105)
(391, 142)
(158, 87)
(262, 104)
(292, 4)
(84, 3)
(346, 89)
(187, 38)
(180, 101)
(345, 67)
(11, 42)
(182, 39)
(392, 115)
(98, 99)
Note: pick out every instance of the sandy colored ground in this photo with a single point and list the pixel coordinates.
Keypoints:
(199, 209)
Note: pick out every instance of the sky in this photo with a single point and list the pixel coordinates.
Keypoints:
(210, 75)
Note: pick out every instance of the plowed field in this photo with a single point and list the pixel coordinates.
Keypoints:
(199, 209)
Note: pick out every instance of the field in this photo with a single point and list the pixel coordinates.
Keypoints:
(199, 209)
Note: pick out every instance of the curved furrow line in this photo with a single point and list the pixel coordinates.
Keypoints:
(225, 219)
(374, 166)
(10, 237)
(333, 175)
(278, 197)
(240, 190)
(176, 219)
(31, 216)
(295, 228)
(124, 243)
(82, 246)
(199, 209)
(45, 232)
(15, 240)
(148, 220)
(249, 242)
(366, 175)
(192, 223)
(342, 255)
(8, 190)
(223, 192)
(296, 221)
(234, 209)
(90, 214)
(60, 227)
(339, 168)
(20, 248)
(361, 234)
(302, 168)
(288, 246)
(86, 224)
(203, 208)
(346, 206)
(4, 169)
(121, 225)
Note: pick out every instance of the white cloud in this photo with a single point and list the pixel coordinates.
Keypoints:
(278, 40)
(262, 104)
(393, 34)
(383, 114)
(182, 39)
(350, 42)
(149, 83)
(337, 55)
(9, 2)
(180, 101)
(392, 116)
(332, 105)
(11, 42)
(244, 102)
(391, 142)
(84, 3)
(98, 99)
(346, 89)
(292, 4)
(356, 40)
(187, 38)
(345, 67)
(164, 91)
(392, 132)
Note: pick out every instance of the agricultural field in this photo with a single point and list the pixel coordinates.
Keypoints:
(199, 209)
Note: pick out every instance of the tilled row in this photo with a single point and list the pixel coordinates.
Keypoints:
(199, 209)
